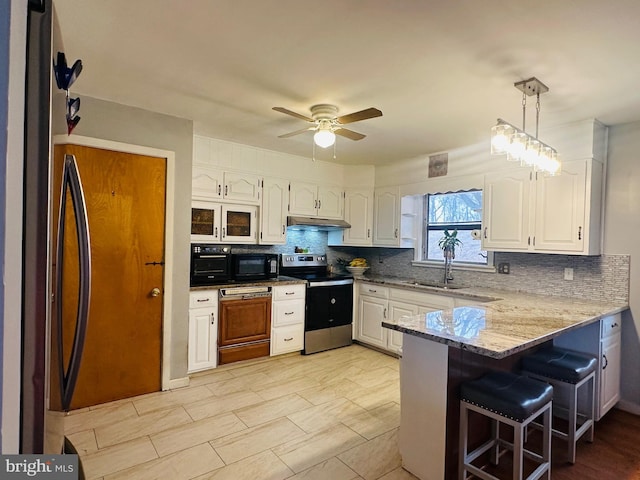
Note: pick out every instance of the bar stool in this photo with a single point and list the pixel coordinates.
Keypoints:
(513, 400)
(568, 370)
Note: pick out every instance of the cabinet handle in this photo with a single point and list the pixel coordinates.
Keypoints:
(372, 290)
(606, 362)
(579, 233)
(224, 233)
(226, 190)
(212, 318)
(289, 313)
(288, 339)
(283, 229)
(368, 233)
(215, 233)
(315, 204)
(219, 189)
(319, 204)
(289, 293)
(384, 313)
(485, 232)
(395, 233)
(614, 325)
(202, 300)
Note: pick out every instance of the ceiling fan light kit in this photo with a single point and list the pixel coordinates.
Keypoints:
(327, 124)
(517, 144)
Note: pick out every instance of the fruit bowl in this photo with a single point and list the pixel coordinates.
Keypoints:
(357, 271)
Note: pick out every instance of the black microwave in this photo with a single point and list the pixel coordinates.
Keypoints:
(210, 264)
(254, 266)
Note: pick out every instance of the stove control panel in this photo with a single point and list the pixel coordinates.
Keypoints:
(304, 260)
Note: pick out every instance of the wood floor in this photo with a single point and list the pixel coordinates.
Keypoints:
(328, 416)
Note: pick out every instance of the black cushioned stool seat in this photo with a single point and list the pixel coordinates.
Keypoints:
(568, 371)
(561, 364)
(514, 400)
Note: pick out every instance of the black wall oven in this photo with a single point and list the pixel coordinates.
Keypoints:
(210, 264)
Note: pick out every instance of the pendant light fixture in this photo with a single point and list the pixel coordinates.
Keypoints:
(517, 144)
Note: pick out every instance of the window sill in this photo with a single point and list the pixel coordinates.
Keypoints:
(465, 266)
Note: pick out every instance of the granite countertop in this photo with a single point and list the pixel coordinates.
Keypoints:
(272, 282)
(502, 322)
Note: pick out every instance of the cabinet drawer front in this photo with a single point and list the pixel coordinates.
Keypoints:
(421, 298)
(373, 290)
(289, 292)
(611, 325)
(287, 339)
(203, 298)
(288, 312)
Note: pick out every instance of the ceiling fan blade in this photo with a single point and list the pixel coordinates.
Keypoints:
(293, 114)
(350, 134)
(297, 132)
(361, 115)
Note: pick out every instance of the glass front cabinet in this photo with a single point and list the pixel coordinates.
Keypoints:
(215, 222)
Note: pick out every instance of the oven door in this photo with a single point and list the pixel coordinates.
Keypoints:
(329, 304)
(210, 269)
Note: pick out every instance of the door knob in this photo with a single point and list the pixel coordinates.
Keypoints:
(155, 292)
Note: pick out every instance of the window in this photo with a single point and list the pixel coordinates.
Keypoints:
(451, 211)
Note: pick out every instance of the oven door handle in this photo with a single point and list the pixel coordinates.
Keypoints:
(331, 283)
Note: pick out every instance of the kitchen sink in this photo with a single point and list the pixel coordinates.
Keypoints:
(443, 286)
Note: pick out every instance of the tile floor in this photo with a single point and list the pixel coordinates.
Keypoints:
(333, 415)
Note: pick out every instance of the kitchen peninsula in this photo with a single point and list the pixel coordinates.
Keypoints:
(443, 348)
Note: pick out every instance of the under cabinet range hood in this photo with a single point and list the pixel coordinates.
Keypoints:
(316, 223)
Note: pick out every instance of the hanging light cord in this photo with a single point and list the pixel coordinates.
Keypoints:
(537, 113)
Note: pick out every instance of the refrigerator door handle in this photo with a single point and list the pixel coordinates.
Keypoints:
(71, 182)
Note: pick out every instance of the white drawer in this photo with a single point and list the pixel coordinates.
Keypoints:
(203, 298)
(287, 312)
(287, 339)
(610, 325)
(373, 290)
(289, 292)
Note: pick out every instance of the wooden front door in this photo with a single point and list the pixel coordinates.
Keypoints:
(125, 197)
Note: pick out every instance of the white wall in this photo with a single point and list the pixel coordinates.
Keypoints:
(621, 231)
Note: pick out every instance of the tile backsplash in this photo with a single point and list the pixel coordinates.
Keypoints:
(604, 277)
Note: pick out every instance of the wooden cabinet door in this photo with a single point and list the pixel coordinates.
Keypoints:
(397, 310)
(273, 216)
(560, 209)
(244, 320)
(303, 199)
(241, 187)
(206, 183)
(358, 212)
(330, 202)
(506, 210)
(203, 349)
(610, 373)
(371, 312)
(386, 216)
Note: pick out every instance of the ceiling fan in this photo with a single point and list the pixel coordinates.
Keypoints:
(326, 123)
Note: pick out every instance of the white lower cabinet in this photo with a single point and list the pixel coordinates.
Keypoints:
(203, 330)
(377, 304)
(603, 340)
(287, 318)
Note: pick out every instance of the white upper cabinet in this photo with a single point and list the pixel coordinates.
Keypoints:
(209, 183)
(358, 212)
(386, 219)
(206, 183)
(310, 200)
(529, 211)
(273, 215)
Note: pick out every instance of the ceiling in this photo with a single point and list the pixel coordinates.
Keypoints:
(440, 71)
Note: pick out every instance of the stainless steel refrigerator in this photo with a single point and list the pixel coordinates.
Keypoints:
(49, 369)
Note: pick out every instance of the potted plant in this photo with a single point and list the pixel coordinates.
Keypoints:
(448, 244)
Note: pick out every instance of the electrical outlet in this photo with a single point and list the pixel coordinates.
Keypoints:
(568, 273)
(503, 268)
